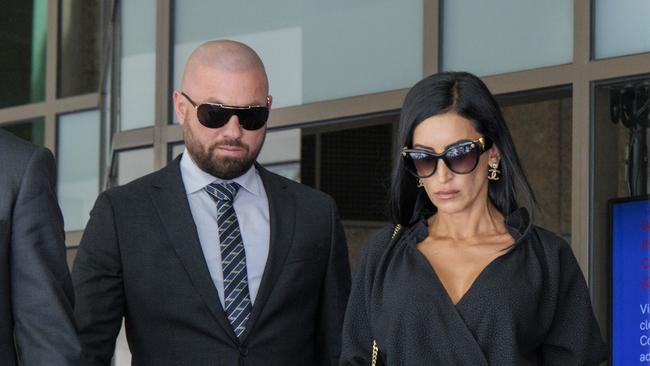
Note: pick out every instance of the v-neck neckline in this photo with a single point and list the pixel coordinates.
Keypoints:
(473, 285)
(513, 224)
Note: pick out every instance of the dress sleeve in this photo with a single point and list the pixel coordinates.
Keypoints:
(357, 337)
(574, 336)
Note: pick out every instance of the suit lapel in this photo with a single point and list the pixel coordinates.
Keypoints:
(282, 211)
(170, 199)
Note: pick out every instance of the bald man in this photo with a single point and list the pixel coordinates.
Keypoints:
(214, 260)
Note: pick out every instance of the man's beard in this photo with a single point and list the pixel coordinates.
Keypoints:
(221, 167)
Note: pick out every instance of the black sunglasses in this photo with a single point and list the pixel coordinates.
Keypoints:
(214, 115)
(460, 158)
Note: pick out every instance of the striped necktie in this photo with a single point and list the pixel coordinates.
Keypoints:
(237, 302)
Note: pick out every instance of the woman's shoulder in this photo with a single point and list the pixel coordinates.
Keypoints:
(382, 241)
(549, 239)
(554, 247)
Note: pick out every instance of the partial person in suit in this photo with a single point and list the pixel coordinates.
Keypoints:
(36, 318)
(213, 260)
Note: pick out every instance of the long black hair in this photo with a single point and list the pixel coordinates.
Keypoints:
(466, 95)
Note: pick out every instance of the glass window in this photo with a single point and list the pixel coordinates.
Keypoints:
(78, 166)
(133, 164)
(313, 50)
(31, 130)
(308, 159)
(280, 146)
(619, 171)
(138, 64)
(281, 153)
(493, 37)
(541, 131)
(106, 118)
(289, 170)
(80, 47)
(353, 166)
(175, 150)
(621, 27)
(23, 41)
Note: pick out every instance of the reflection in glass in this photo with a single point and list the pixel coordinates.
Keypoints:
(610, 179)
(138, 65)
(354, 166)
(280, 146)
(78, 166)
(23, 41)
(289, 170)
(618, 136)
(107, 119)
(621, 27)
(176, 150)
(476, 31)
(133, 164)
(31, 130)
(312, 48)
(80, 47)
(541, 131)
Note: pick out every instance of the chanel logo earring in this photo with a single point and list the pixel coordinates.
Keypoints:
(493, 172)
(420, 184)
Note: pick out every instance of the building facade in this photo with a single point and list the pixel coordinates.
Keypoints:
(92, 81)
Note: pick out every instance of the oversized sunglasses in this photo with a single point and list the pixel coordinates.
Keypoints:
(460, 158)
(214, 115)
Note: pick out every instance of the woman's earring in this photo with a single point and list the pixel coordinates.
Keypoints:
(493, 172)
(420, 184)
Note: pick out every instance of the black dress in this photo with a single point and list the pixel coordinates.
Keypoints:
(530, 306)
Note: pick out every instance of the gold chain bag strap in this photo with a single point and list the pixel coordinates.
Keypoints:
(375, 347)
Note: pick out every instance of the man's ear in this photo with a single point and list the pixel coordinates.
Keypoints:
(180, 106)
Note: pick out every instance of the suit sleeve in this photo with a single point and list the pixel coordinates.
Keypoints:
(574, 337)
(334, 294)
(41, 289)
(97, 278)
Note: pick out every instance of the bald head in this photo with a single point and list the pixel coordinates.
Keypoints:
(223, 55)
(231, 74)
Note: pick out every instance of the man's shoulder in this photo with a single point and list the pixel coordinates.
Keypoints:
(299, 190)
(15, 148)
(16, 155)
(138, 186)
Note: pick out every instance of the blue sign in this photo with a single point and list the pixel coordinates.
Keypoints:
(631, 283)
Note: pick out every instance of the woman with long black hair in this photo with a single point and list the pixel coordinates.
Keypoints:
(463, 277)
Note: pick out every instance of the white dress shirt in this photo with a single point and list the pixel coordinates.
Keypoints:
(252, 207)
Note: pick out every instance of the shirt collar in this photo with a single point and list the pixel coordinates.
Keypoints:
(195, 179)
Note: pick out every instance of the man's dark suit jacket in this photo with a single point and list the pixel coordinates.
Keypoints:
(36, 318)
(140, 258)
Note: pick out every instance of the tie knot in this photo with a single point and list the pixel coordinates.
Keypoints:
(222, 191)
